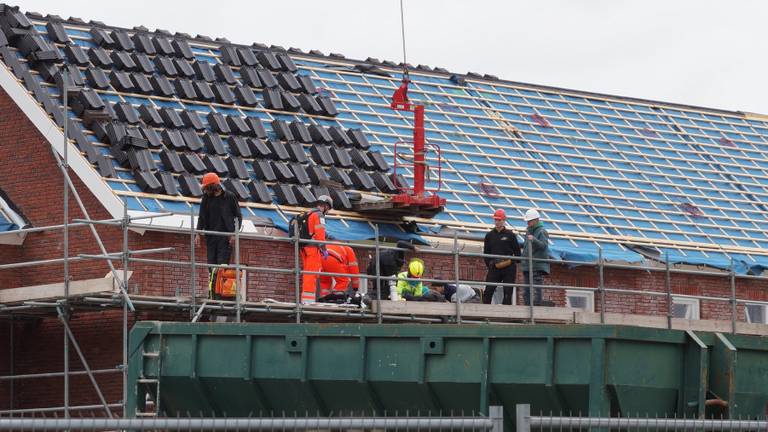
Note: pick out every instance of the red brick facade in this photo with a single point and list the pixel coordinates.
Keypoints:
(29, 176)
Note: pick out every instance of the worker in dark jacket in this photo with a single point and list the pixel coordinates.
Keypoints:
(390, 263)
(219, 211)
(500, 241)
(537, 240)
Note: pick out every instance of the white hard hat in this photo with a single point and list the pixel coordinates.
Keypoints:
(531, 214)
(325, 199)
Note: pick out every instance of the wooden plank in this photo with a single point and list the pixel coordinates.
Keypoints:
(622, 319)
(374, 205)
(56, 290)
(714, 326)
(475, 311)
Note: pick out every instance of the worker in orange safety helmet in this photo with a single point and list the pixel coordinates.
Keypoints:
(500, 241)
(341, 259)
(219, 211)
(311, 225)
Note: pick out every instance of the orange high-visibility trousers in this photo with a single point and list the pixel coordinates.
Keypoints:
(333, 265)
(311, 260)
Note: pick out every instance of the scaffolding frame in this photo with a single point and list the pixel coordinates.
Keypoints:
(60, 307)
(120, 300)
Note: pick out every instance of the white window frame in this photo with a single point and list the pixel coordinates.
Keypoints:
(765, 313)
(589, 295)
(694, 306)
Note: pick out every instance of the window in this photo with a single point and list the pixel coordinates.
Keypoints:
(684, 307)
(577, 299)
(756, 313)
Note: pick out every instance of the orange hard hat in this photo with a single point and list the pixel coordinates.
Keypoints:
(211, 179)
(499, 215)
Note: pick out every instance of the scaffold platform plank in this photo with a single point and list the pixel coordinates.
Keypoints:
(56, 290)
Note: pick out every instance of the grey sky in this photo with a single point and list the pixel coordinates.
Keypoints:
(699, 52)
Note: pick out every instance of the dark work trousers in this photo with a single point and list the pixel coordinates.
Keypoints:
(219, 251)
(538, 280)
(505, 275)
(384, 284)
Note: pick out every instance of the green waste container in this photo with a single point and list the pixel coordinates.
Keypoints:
(229, 369)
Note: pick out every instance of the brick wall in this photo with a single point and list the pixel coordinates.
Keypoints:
(10, 277)
(29, 176)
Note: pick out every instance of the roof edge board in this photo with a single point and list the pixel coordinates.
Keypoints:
(55, 137)
(11, 211)
(469, 77)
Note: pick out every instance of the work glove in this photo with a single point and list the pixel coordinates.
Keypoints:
(324, 253)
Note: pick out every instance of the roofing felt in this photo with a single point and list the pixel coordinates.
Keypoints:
(603, 170)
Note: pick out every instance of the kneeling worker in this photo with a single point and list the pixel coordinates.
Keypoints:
(390, 263)
(341, 259)
(457, 293)
(409, 290)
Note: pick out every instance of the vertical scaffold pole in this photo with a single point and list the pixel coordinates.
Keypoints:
(192, 262)
(65, 167)
(601, 283)
(238, 288)
(379, 317)
(530, 281)
(734, 310)
(457, 277)
(297, 270)
(668, 287)
(126, 221)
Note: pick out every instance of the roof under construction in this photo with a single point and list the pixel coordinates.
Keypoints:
(150, 111)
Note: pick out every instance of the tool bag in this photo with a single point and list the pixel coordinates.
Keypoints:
(224, 283)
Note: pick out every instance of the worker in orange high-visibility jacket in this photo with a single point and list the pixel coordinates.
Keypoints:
(341, 259)
(312, 255)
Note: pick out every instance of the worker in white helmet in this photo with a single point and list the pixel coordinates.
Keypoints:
(537, 246)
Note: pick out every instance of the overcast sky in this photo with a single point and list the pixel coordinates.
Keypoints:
(698, 52)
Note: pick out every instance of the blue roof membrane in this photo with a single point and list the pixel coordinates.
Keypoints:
(588, 251)
(351, 230)
(752, 265)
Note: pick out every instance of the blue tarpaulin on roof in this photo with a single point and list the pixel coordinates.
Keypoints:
(588, 252)
(754, 265)
(356, 230)
(560, 249)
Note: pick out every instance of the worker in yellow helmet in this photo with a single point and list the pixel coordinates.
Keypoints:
(410, 289)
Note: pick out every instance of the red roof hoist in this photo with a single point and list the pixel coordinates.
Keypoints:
(416, 200)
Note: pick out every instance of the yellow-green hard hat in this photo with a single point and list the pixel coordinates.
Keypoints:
(416, 267)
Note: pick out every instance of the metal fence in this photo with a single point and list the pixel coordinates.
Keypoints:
(525, 422)
(494, 422)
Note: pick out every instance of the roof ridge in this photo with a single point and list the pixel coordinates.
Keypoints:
(369, 61)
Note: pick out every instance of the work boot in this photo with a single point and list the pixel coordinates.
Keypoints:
(356, 299)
